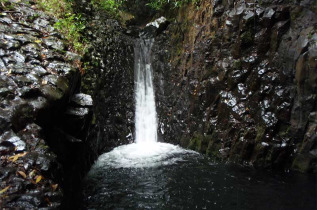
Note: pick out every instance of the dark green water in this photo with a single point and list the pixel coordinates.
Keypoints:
(182, 180)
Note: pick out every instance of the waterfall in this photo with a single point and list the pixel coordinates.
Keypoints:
(146, 151)
(145, 111)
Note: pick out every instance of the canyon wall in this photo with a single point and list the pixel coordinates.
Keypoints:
(43, 117)
(236, 80)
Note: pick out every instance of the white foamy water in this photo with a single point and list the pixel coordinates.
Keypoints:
(143, 155)
(146, 152)
(145, 112)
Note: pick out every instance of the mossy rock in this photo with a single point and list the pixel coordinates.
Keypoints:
(237, 64)
(259, 133)
(255, 83)
(195, 144)
(213, 148)
(199, 143)
(274, 44)
(285, 131)
(247, 39)
(22, 115)
(273, 154)
(247, 150)
(235, 151)
(259, 155)
(296, 13)
(184, 141)
(304, 163)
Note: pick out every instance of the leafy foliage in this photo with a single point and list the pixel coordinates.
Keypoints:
(71, 25)
(57, 8)
(6, 5)
(161, 4)
(110, 6)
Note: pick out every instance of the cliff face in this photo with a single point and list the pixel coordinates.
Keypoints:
(43, 121)
(237, 80)
(110, 81)
(233, 79)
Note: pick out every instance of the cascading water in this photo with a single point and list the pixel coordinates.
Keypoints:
(146, 151)
(145, 112)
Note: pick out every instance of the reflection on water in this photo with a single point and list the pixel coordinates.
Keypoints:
(172, 178)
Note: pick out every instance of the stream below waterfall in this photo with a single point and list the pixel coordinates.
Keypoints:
(169, 177)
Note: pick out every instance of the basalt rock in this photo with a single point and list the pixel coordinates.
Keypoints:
(110, 82)
(238, 81)
(36, 86)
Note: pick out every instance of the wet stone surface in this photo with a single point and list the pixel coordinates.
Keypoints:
(35, 82)
(238, 82)
(81, 99)
(110, 81)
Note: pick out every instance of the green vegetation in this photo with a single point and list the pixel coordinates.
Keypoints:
(247, 38)
(56, 8)
(303, 163)
(112, 7)
(237, 64)
(6, 5)
(195, 143)
(199, 143)
(71, 25)
(260, 134)
(214, 145)
(161, 4)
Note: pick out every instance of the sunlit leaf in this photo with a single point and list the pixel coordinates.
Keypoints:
(22, 174)
(54, 186)
(4, 190)
(32, 173)
(38, 179)
(38, 41)
(16, 157)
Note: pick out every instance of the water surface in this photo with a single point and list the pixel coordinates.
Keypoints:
(163, 176)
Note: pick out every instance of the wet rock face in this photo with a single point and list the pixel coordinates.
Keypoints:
(78, 114)
(237, 81)
(142, 13)
(110, 81)
(36, 83)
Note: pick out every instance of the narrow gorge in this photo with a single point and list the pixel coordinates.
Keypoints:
(154, 104)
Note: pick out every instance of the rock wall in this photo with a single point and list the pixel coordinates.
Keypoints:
(233, 79)
(42, 121)
(236, 80)
(109, 79)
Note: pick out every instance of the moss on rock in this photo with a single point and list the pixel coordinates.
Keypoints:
(303, 163)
